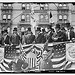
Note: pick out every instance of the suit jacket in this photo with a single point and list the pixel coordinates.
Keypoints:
(72, 35)
(40, 39)
(6, 40)
(15, 40)
(30, 39)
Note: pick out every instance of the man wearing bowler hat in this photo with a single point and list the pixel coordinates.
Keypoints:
(15, 38)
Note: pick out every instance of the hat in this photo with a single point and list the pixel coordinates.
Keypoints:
(57, 26)
(38, 29)
(5, 31)
(2, 32)
(45, 52)
(43, 30)
(62, 28)
(29, 29)
(15, 29)
(72, 28)
(67, 24)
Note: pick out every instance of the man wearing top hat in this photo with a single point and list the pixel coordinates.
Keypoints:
(29, 37)
(15, 38)
(38, 35)
(5, 40)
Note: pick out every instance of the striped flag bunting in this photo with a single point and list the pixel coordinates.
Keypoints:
(59, 57)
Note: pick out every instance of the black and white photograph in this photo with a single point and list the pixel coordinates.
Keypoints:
(37, 37)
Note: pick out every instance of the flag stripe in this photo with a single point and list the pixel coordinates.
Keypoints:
(57, 59)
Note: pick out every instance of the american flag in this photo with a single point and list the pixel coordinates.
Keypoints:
(9, 55)
(59, 57)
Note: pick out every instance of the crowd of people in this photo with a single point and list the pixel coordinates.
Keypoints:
(59, 34)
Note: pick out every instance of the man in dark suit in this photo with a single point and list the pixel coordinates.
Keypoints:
(44, 36)
(58, 36)
(29, 37)
(15, 38)
(38, 36)
(70, 32)
(5, 40)
(50, 33)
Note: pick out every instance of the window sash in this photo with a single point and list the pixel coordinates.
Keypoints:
(27, 18)
(60, 17)
(4, 16)
(23, 17)
(65, 17)
(9, 17)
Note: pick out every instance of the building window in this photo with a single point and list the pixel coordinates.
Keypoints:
(64, 5)
(41, 18)
(60, 17)
(4, 17)
(5, 5)
(65, 17)
(46, 17)
(41, 7)
(28, 18)
(23, 18)
(60, 5)
(9, 5)
(9, 17)
(46, 6)
(23, 6)
(27, 6)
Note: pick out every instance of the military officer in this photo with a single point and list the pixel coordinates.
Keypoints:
(15, 38)
(45, 62)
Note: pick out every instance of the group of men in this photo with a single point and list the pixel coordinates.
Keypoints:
(60, 34)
